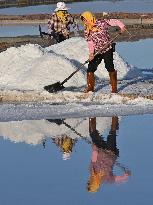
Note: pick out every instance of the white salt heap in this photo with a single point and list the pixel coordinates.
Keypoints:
(31, 67)
(24, 72)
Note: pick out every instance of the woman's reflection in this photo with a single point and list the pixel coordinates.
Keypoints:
(66, 144)
(104, 155)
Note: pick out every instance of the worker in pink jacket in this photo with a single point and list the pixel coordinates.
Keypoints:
(104, 156)
(97, 36)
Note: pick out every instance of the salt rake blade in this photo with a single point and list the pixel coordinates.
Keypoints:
(53, 88)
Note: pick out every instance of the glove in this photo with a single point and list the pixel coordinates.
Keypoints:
(91, 56)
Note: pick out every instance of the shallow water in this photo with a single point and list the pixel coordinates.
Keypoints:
(95, 6)
(18, 30)
(37, 174)
(137, 53)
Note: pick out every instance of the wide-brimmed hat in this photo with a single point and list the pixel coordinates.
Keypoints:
(61, 6)
(66, 156)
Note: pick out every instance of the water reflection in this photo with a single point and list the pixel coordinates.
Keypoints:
(104, 157)
(65, 142)
(65, 134)
(30, 174)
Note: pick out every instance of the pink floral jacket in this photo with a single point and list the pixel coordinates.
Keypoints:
(98, 40)
(103, 160)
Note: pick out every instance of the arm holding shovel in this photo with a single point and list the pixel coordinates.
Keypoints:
(100, 48)
(97, 36)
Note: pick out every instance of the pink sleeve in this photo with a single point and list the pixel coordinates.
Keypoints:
(122, 178)
(94, 153)
(94, 156)
(91, 47)
(115, 22)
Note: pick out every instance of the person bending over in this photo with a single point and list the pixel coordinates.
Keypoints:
(97, 36)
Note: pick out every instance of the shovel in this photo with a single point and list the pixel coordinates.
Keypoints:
(53, 34)
(60, 85)
(61, 121)
(43, 33)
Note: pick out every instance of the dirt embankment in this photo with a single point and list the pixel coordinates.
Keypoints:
(121, 15)
(42, 17)
(138, 29)
(133, 35)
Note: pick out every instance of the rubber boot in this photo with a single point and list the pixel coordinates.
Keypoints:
(92, 124)
(113, 81)
(111, 138)
(115, 123)
(90, 82)
(97, 139)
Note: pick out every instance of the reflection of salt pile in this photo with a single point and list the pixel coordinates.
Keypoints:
(32, 67)
(34, 132)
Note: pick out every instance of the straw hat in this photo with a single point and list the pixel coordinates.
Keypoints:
(66, 156)
(61, 6)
